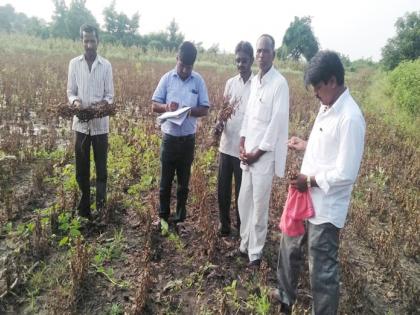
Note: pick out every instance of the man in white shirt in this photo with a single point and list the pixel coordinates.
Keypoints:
(236, 94)
(263, 148)
(332, 159)
(90, 83)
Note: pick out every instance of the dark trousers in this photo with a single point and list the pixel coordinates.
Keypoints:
(176, 156)
(229, 166)
(82, 149)
(323, 243)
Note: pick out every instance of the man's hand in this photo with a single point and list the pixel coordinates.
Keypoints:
(300, 183)
(252, 157)
(77, 104)
(218, 128)
(296, 143)
(171, 107)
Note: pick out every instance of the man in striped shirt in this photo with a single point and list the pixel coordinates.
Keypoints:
(90, 84)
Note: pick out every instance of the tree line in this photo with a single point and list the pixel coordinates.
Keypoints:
(299, 41)
(66, 20)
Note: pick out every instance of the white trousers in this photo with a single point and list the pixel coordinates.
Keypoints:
(253, 203)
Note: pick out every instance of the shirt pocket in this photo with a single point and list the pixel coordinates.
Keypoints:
(327, 143)
(262, 111)
(192, 99)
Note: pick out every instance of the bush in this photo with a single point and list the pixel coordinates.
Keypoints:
(405, 86)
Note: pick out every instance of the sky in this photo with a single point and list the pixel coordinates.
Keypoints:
(357, 28)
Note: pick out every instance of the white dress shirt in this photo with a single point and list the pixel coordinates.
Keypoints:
(90, 87)
(266, 122)
(238, 92)
(333, 155)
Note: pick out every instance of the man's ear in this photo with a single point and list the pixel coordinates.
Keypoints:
(333, 82)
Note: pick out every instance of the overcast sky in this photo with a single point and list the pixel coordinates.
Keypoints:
(357, 28)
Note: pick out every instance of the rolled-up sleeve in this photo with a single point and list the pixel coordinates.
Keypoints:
(352, 134)
(161, 90)
(278, 125)
(72, 84)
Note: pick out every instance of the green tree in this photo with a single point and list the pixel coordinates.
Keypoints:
(406, 44)
(120, 28)
(58, 24)
(66, 21)
(13, 22)
(7, 15)
(299, 40)
(77, 15)
(174, 37)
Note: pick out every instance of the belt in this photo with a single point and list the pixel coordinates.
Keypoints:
(180, 138)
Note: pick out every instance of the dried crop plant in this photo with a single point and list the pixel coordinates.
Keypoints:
(79, 266)
(39, 240)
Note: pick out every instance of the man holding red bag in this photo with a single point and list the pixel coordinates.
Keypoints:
(332, 159)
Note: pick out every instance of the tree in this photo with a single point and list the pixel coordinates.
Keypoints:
(58, 24)
(76, 16)
(406, 44)
(12, 22)
(120, 28)
(299, 40)
(174, 37)
(66, 21)
(214, 49)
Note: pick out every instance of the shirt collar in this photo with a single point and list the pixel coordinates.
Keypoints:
(175, 74)
(338, 104)
(239, 78)
(98, 58)
(266, 77)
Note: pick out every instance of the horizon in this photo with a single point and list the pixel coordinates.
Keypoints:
(357, 34)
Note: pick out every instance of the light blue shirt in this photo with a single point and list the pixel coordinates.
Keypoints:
(192, 92)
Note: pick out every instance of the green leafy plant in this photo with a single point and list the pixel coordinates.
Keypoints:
(70, 228)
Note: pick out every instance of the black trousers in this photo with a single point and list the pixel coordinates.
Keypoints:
(100, 150)
(176, 156)
(229, 166)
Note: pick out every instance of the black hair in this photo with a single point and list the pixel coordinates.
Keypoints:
(322, 67)
(245, 47)
(87, 28)
(271, 38)
(187, 53)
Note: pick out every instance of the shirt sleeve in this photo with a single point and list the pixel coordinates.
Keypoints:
(227, 92)
(161, 90)
(109, 86)
(72, 84)
(244, 126)
(352, 134)
(278, 126)
(203, 96)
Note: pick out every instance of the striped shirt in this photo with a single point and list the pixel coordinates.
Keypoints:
(90, 87)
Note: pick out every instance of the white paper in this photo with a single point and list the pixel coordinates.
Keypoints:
(183, 111)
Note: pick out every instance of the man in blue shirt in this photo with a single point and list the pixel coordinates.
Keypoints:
(178, 88)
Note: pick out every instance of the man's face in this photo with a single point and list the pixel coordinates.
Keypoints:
(325, 92)
(90, 43)
(184, 71)
(265, 54)
(243, 63)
